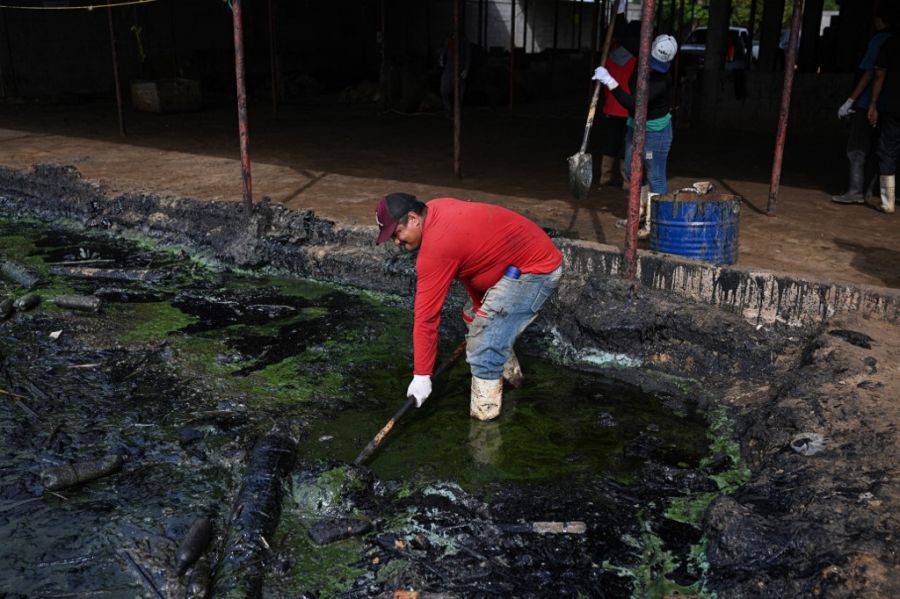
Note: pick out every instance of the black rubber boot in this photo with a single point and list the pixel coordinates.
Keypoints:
(854, 194)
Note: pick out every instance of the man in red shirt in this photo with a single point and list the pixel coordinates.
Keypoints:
(508, 265)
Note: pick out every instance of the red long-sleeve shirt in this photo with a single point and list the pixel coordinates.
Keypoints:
(474, 243)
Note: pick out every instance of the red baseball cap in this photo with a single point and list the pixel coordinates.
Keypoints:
(390, 210)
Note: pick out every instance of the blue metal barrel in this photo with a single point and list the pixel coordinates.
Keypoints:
(698, 226)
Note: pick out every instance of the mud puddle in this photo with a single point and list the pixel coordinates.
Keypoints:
(186, 367)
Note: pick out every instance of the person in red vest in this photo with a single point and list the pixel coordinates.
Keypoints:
(620, 63)
(507, 263)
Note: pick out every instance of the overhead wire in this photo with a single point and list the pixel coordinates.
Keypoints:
(88, 7)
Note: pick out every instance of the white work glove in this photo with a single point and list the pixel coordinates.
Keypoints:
(603, 76)
(620, 8)
(420, 388)
(846, 109)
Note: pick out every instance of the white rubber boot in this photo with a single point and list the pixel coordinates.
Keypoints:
(622, 222)
(644, 231)
(487, 397)
(888, 191)
(512, 372)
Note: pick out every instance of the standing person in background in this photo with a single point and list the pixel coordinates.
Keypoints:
(620, 63)
(658, 140)
(863, 139)
(446, 63)
(886, 94)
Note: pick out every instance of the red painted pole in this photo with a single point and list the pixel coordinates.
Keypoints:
(115, 67)
(243, 128)
(789, 63)
(457, 100)
(273, 59)
(637, 150)
(512, 51)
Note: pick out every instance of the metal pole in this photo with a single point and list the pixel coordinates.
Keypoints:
(115, 67)
(457, 100)
(243, 129)
(383, 47)
(677, 55)
(751, 30)
(555, 24)
(637, 150)
(580, 21)
(534, 21)
(481, 23)
(789, 62)
(525, 25)
(273, 60)
(486, 22)
(512, 51)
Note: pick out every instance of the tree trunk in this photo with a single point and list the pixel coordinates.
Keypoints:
(770, 33)
(808, 57)
(714, 60)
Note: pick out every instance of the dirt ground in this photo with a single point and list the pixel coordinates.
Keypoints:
(336, 160)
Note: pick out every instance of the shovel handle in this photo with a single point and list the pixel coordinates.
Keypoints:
(369, 449)
(607, 41)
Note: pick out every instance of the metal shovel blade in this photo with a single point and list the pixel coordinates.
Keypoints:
(581, 174)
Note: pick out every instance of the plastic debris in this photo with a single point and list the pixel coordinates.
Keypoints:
(808, 443)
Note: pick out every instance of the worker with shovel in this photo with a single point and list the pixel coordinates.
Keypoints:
(658, 140)
(507, 263)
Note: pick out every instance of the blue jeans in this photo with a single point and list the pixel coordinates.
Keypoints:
(656, 154)
(507, 308)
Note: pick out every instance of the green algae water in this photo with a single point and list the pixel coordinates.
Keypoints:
(561, 424)
(182, 373)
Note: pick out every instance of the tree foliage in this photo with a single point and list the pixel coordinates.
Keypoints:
(696, 12)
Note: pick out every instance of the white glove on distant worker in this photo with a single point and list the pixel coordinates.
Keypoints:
(420, 388)
(620, 8)
(603, 76)
(846, 109)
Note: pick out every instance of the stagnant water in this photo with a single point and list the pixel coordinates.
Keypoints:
(181, 371)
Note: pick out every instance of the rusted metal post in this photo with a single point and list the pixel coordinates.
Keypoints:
(243, 128)
(512, 51)
(457, 99)
(789, 63)
(273, 59)
(675, 67)
(637, 150)
(115, 68)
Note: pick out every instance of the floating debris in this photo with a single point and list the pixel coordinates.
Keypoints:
(85, 303)
(853, 337)
(808, 443)
(329, 531)
(27, 302)
(193, 545)
(60, 477)
(20, 273)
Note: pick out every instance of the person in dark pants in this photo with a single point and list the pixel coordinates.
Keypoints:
(507, 263)
(863, 139)
(621, 63)
(658, 137)
(884, 112)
